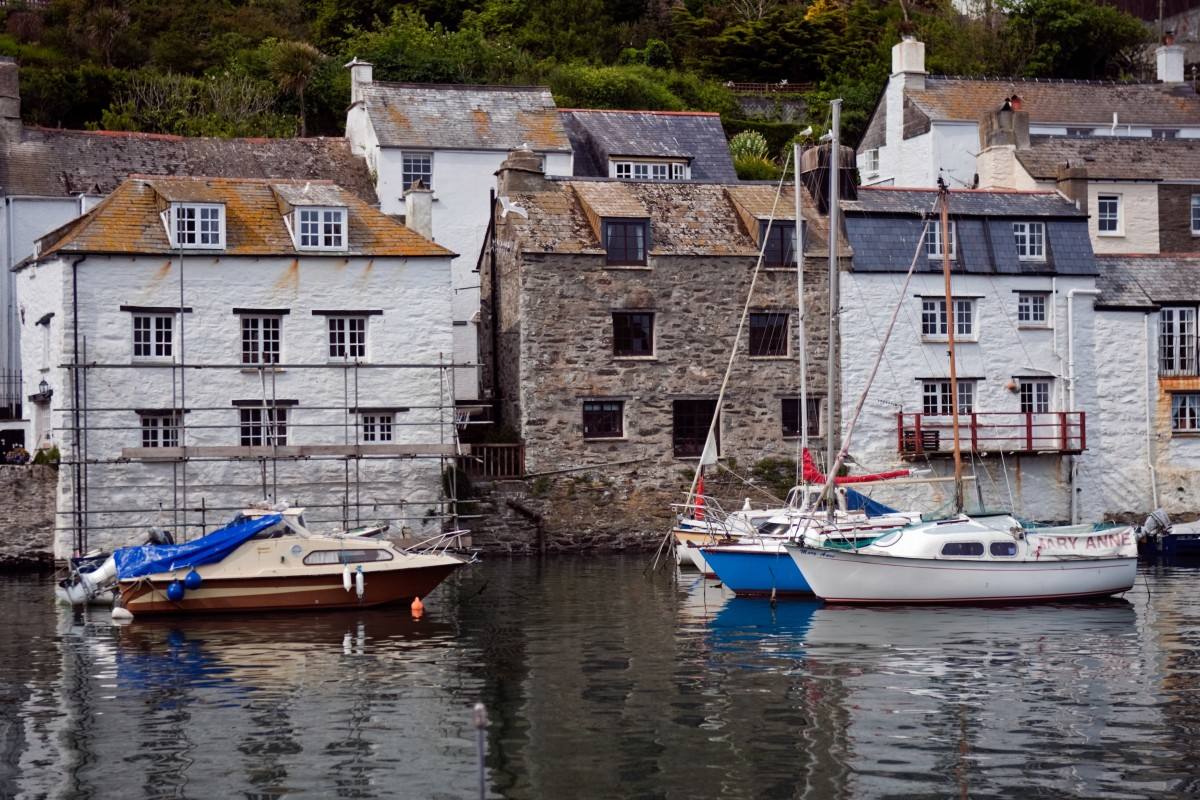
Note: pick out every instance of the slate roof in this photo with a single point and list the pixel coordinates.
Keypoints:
(597, 136)
(686, 218)
(128, 220)
(57, 163)
(885, 228)
(462, 117)
(1113, 157)
(1134, 282)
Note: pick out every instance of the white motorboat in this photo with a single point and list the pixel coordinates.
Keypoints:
(982, 559)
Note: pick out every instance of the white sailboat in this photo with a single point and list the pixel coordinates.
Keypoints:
(969, 559)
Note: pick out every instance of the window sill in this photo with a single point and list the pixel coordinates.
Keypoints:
(247, 370)
(1111, 234)
(1032, 326)
(1185, 434)
(944, 340)
(604, 439)
(349, 362)
(153, 362)
(771, 358)
(1041, 260)
(796, 437)
(635, 358)
(629, 267)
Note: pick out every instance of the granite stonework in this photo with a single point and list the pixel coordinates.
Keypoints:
(27, 524)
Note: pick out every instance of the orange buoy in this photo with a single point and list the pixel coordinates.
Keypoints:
(418, 608)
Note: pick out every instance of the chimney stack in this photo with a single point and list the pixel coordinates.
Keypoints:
(814, 174)
(1072, 183)
(1169, 58)
(1007, 125)
(361, 75)
(418, 209)
(522, 171)
(10, 98)
(908, 60)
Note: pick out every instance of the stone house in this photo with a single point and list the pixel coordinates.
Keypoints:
(49, 176)
(926, 125)
(649, 145)
(609, 312)
(237, 340)
(1023, 281)
(452, 138)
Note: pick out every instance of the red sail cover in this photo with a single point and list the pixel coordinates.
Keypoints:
(814, 475)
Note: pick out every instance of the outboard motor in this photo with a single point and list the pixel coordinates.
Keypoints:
(87, 585)
(1157, 525)
(160, 536)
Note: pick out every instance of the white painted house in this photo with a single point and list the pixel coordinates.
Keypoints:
(237, 340)
(452, 138)
(1023, 282)
(926, 125)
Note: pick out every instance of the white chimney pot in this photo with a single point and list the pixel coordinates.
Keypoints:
(1170, 63)
(908, 56)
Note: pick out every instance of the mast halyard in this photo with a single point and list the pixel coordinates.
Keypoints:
(835, 185)
(951, 323)
(801, 334)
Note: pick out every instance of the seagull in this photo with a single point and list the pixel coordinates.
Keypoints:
(507, 205)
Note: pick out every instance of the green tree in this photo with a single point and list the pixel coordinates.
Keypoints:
(1071, 38)
(292, 65)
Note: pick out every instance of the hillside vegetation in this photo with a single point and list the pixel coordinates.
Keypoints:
(274, 67)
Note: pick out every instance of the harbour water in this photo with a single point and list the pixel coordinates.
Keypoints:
(601, 682)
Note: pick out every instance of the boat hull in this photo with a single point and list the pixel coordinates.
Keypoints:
(846, 577)
(757, 571)
(286, 593)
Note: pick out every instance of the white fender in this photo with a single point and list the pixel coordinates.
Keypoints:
(360, 582)
(122, 615)
(346, 577)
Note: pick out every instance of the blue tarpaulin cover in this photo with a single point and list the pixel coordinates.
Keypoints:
(857, 501)
(149, 559)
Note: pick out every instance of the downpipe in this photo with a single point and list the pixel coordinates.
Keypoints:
(1074, 462)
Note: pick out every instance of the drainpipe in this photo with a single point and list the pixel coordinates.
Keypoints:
(76, 455)
(1074, 470)
(1150, 418)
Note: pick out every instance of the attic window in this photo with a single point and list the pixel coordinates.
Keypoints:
(320, 228)
(933, 240)
(650, 170)
(625, 241)
(198, 225)
(780, 249)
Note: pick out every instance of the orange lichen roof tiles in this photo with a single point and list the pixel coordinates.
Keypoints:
(129, 221)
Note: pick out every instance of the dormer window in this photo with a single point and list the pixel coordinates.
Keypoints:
(780, 249)
(933, 240)
(625, 241)
(321, 228)
(650, 170)
(198, 226)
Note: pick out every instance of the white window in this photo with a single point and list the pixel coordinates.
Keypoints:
(933, 318)
(348, 337)
(933, 239)
(416, 167)
(376, 427)
(1185, 412)
(1031, 309)
(200, 226)
(935, 398)
(1035, 397)
(153, 336)
(263, 426)
(1031, 240)
(321, 228)
(1196, 215)
(1164, 133)
(650, 170)
(1108, 214)
(871, 161)
(1177, 340)
(160, 429)
(260, 339)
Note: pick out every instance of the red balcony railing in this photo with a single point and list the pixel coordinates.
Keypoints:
(1063, 432)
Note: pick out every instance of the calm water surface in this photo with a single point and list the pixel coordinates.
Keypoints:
(601, 683)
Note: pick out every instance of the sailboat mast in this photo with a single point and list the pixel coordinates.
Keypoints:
(835, 153)
(802, 336)
(951, 322)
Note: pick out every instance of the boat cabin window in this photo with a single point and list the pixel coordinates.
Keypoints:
(1003, 549)
(962, 549)
(317, 557)
(774, 528)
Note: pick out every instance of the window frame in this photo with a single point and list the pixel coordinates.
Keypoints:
(871, 162)
(1025, 305)
(937, 392)
(160, 429)
(376, 427)
(594, 417)
(244, 328)
(962, 545)
(322, 235)
(692, 448)
(153, 343)
(1024, 240)
(625, 316)
(1182, 340)
(933, 248)
(1195, 214)
(628, 169)
(778, 252)
(175, 217)
(626, 223)
(937, 315)
(1118, 218)
(816, 416)
(407, 176)
(786, 339)
(1189, 403)
(269, 429)
(334, 320)
(1031, 397)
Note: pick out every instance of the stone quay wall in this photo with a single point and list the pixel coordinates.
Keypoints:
(27, 517)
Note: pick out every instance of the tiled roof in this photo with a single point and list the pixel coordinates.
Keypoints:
(1066, 102)
(1113, 157)
(685, 218)
(1146, 282)
(460, 117)
(128, 221)
(597, 136)
(885, 228)
(47, 162)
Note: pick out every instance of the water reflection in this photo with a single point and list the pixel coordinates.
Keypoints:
(603, 682)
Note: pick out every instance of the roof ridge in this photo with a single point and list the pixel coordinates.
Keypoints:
(175, 137)
(486, 86)
(226, 179)
(928, 189)
(662, 112)
(1064, 81)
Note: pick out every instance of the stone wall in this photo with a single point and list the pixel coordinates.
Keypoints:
(1175, 220)
(27, 516)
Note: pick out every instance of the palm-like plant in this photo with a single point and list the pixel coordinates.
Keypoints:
(292, 65)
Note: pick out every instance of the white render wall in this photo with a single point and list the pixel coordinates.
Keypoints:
(1139, 217)
(414, 328)
(1039, 485)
